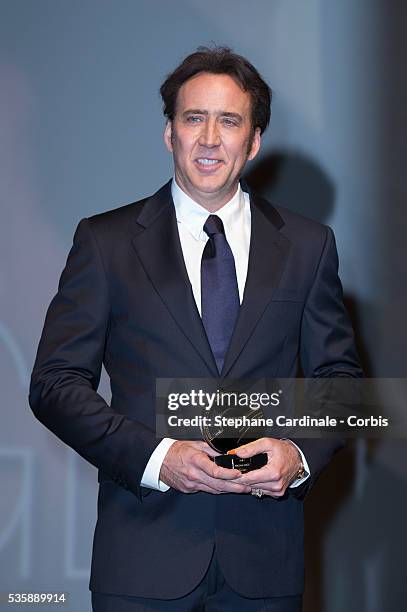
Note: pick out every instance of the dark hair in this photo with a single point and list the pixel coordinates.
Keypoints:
(220, 60)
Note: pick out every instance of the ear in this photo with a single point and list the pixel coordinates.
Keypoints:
(168, 135)
(255, 144)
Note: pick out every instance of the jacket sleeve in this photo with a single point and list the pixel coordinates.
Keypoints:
(66, 374)
(327, 349)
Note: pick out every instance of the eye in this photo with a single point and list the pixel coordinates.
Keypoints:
(194, 119)
(229, 122)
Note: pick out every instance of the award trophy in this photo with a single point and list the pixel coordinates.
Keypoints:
(230, 428)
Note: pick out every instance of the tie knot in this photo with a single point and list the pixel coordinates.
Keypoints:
(213, 225)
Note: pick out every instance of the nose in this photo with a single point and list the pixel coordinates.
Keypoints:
(209, 136)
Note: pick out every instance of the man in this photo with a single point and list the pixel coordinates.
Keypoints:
(203, 279)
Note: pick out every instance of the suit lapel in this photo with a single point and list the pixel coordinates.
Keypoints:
(158, 247)
(267, 257)
(156, 241)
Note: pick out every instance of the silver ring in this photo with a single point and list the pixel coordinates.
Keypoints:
(257, 493)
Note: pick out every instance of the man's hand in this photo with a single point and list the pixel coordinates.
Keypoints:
(187, 468)
(284, 461)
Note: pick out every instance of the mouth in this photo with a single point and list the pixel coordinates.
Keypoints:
(208, 164)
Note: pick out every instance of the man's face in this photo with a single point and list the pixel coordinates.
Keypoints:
(211, 138)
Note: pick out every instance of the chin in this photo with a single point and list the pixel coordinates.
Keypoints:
(210, 186)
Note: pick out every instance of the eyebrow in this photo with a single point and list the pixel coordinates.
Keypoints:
(198, 111)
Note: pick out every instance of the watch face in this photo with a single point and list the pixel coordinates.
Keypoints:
(301, 472)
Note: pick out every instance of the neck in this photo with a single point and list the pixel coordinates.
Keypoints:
(210, 201)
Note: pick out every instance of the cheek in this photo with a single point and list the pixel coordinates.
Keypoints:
(240, 156)
(237, 149)
(181, 146)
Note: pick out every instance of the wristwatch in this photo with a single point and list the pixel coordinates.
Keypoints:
(301, 472)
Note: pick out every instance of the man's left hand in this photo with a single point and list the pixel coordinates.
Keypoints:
(284, 462)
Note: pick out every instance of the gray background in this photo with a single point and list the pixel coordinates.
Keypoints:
(81, 132)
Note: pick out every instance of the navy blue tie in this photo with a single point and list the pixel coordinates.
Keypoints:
(219, 290)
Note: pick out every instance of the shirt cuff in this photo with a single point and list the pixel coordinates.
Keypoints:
(150, 478)
(298, 481)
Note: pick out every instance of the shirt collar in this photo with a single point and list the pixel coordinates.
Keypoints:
(193, 215)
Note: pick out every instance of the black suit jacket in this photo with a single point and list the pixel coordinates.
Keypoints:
(125, 300)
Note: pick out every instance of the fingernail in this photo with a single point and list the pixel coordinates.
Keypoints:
(231, 452)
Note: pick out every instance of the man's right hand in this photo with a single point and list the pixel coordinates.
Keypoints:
(187, 468)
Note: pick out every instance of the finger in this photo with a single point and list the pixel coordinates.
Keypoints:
(275, 487)
(196, 480)
(226, 486)
(206, 488)
(204, 447)
(278, 493)
(262, 445)
(211, 451)
(215, 471)
(274, 495)
(261, 476)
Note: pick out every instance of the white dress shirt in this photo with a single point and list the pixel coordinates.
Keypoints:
(191, 218)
